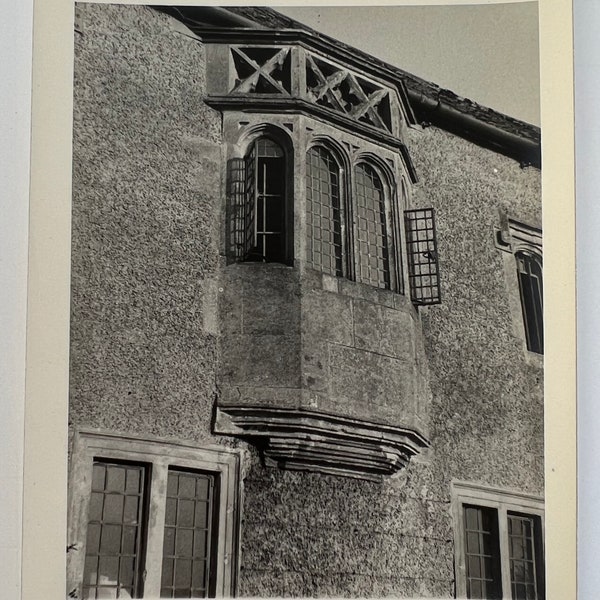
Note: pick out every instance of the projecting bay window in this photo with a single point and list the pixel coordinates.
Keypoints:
(150, 519)
(353, 203)
(499, 544)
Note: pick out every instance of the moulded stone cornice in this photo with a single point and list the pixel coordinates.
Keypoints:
(259, 104)
(316, 441)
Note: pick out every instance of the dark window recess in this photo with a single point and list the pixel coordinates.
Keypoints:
(189, 547)
(323, 214)
(482, 553)
(373, 266)
(423, 267)
(529, 268)
(114, 545)
(258, 207)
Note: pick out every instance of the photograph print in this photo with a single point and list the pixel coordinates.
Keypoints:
(306, 342)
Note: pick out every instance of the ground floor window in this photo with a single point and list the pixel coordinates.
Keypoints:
(151, 519)
(499, 544)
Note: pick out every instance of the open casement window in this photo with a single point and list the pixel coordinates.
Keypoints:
(529, 270)
(423, 266)
(499, 545)
(152, 520)
(258, 194)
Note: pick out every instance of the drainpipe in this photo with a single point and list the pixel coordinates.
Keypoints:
(209, 16)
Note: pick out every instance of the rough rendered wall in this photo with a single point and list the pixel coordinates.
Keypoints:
(488, 390)
(144, 344)
(146, 184)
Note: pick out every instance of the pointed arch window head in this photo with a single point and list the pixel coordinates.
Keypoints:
(529, 269)
(372, 249)
(323, 212)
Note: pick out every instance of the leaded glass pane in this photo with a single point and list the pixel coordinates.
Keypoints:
(522, 557)
(373, 259)
(113, 545)
(324, 223)
(189, 525)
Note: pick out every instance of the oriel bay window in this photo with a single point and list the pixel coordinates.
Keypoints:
(152, 520)
(353, 203)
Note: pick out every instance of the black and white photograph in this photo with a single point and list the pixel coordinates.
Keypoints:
(306, 303)
(306, 343)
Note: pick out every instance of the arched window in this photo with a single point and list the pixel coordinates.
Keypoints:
(323, 214)
(259, 213)
(529, 269)
(266, 196)
(372, 261)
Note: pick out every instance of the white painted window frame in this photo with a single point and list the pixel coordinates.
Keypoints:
(504, 501)
(159, 455)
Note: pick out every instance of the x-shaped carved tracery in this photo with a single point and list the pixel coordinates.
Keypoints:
(343, 91)
(261, 70)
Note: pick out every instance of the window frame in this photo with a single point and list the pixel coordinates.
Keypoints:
(344, 204)
(395, 200)
(387, 223)
(529, 319)
(286, 147)
(158, 455)
(297, 135)
(504, 501)
(512, 237)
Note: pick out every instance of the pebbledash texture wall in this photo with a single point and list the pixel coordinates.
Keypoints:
(148, 172)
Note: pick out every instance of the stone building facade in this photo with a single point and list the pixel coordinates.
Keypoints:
(306, 339)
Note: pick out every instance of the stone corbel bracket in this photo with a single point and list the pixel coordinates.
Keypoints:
(302, 440)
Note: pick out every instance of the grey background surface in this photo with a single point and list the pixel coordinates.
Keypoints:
(14, 132)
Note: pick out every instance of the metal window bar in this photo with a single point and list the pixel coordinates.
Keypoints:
(236, 208)
(373, 265)
(423, 267)
(323, 215)
(482, 553)
(522, 557)
(529, 267)
(188, 566)
(116, 523)
(249, 240)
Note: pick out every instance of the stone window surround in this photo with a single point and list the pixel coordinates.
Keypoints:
(297, 134)
(159, 455)
(511, 237)
(503, 500)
